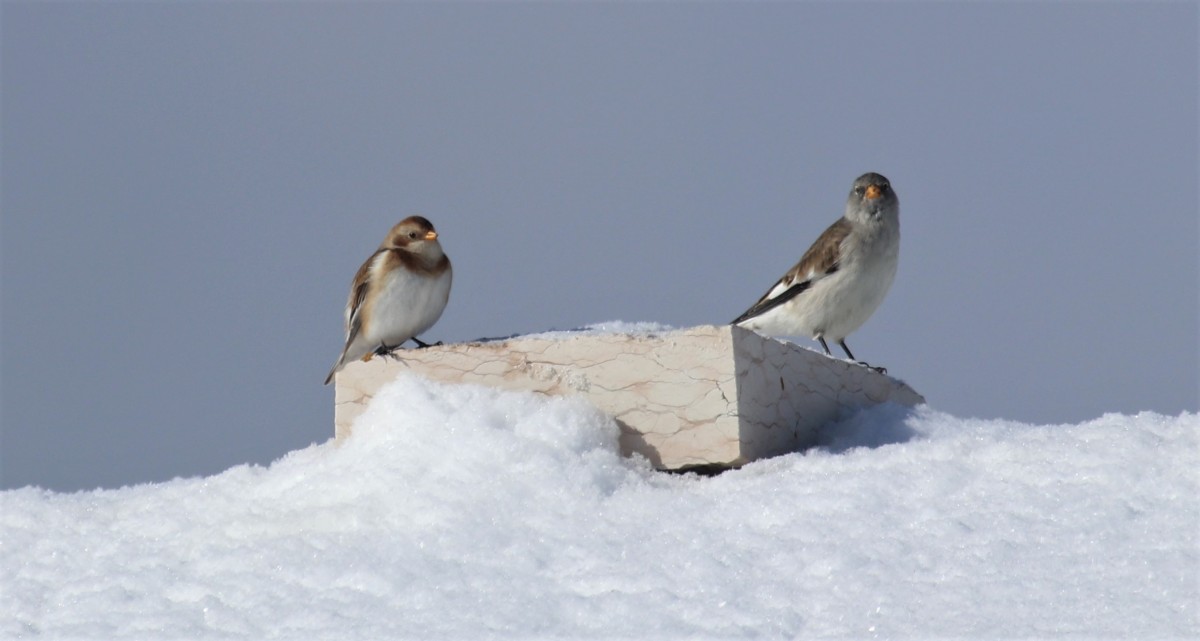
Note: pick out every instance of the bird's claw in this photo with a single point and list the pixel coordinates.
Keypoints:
(881, 370)
(422, 344)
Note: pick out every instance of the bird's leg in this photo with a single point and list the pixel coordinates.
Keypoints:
(881, 370)
(845, 349)
(827, 352)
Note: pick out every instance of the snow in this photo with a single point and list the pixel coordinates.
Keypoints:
(595, 329)
(464, 512)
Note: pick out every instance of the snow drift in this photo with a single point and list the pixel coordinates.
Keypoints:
(463, 512)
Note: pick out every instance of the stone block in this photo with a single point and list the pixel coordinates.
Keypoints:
(707, 397)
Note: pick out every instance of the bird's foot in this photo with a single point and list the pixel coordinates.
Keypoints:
(422, 344)
(881, 370)
(387, 351)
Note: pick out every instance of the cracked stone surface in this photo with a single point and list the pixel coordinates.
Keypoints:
(711, 396)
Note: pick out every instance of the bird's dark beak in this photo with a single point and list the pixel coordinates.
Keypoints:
(431, 235)
(873, 192)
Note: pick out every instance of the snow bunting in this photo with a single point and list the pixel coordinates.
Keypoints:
(397, 294)
(841, 280)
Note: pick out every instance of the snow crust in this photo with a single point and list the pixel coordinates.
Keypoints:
(464, 512)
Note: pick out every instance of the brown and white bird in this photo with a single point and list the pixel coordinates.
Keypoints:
(397, 294)
(841, 280)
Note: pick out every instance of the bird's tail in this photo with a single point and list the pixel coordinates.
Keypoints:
(341, 362)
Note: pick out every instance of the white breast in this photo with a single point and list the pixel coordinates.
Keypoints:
(865, 280)
(408, 304)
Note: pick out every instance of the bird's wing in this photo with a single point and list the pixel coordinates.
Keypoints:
(358, 294)
(822, 259)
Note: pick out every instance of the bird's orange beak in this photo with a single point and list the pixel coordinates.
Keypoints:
(431, 235)
(873, 192)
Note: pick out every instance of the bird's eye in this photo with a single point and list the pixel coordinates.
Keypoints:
(884, 187)
(859, 190)
(412, 235)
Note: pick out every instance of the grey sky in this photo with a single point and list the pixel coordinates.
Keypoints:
(187, 191)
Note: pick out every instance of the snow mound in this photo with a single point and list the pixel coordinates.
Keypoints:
(464, 512)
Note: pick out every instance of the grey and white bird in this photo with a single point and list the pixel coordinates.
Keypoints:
(841, 280)
(397, 294)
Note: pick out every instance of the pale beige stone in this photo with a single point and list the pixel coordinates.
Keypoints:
(712, 396)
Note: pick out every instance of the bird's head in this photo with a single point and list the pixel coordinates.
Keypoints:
(414, 234)
(871, 198)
